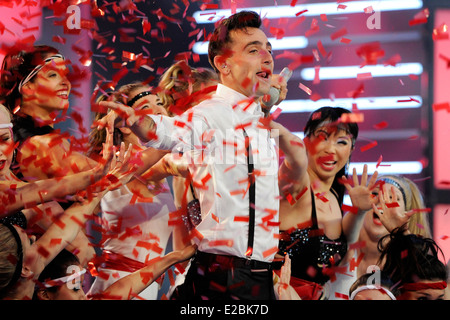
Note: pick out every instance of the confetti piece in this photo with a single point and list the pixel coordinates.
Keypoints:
(338, 34)
(341, 295)
(364, 76)
(305, 88)
(270, 252)
(409, 100)
(369, 9)
(223, 242)
(440, 33)
(357, 117)
(55, 241)
(379, 161)
(404, 254)
(420, 18)
(357, 245)
(321, 196)
(352, 209)
(241, 218)
(315, 97)
(321, 48)
(301, 12)
(369, 146)
(381, 125)
(441, 106)
(43, 252)
(370, 52)
(393, 205)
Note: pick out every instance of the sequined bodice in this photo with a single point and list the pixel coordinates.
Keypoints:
(312, 253)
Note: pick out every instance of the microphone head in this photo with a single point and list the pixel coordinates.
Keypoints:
(274, 94)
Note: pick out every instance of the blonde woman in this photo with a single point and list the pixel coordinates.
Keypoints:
(181, 86)
(383, 205)
(135, 217)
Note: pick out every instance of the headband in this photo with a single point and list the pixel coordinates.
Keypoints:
(398, 186)
(37, 69)
(137, 97)
(424, 285)
(18, 270)
(6, 125)
(372, 287)
(63, 280)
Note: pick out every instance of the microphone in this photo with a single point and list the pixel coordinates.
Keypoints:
(274, 93)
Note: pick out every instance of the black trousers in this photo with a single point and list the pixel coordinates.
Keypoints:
(222, 277)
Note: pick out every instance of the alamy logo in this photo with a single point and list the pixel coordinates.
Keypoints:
(374, 21)
(74, 280)
(375, 278)
(73, 21)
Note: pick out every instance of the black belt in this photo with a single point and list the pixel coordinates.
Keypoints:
(229, 262)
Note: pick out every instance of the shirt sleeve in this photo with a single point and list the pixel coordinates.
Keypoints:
(180, 133)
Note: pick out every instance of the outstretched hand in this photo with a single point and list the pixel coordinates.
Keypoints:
(361, 193)
(119, 113)
(285, 290)
(114, 164)
(391, 214)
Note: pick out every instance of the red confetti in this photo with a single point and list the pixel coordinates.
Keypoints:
(381, 125)
(241, 218)
(218, 243)
(370, 52)
(341, 295)
(393, 205)
(270, 252)
(338, 34)
(364, 76)
(352, 117)
(43, 252)
(441, 106)
(369, 146)
(351, 209)
(379, 161)
(420, 18)
(441, 32)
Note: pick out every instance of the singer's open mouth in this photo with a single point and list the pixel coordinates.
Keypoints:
(263, 74)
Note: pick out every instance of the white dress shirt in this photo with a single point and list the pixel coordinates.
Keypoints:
(211, 137)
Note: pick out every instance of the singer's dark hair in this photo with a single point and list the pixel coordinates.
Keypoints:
(221, 36)
(332, 115)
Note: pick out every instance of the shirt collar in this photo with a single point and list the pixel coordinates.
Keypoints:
(234, 97)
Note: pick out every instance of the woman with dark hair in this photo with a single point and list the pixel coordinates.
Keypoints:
(62, 278)
(35, 87)
(22, 257)
(412, 261)
(311, 218)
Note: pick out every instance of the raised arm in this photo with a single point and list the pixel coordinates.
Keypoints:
(293, 170)
(133, 284)
(18, 195)
(362, 200)
(66, 227)
(141, 125)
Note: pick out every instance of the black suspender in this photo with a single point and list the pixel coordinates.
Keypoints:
(251, 193)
